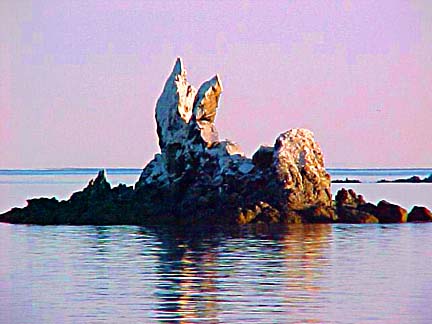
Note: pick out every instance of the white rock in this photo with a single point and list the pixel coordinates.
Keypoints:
(174, 108)
(299, 165)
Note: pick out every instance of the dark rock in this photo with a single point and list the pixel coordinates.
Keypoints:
(261, 212)
(263, 157)
(346, 180)
(292, 217)
(349, 198)
(43, 210)
(368, 208)
(390, 213)
(320, 214)
(352, 215)
(420, 214)
(413, 179)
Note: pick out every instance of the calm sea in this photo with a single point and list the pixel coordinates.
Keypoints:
(294, 274)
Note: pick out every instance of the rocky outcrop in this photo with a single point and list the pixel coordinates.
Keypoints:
(204, 111)
(348, 198)
(97, 204)
(174, 109)
(353, 209)
(346, 180)
(413, 179)
(198, 178)
(390, 213)
(419, 214)
(196, 172)
(299, 169)
(263, 157)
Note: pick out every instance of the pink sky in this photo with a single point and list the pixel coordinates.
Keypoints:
(79, 79)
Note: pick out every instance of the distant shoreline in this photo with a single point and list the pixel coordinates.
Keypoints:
(140, 169)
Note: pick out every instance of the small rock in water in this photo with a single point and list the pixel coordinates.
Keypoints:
(391, 213)
(420, 214)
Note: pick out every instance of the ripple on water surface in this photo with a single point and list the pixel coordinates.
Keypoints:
(295, 274)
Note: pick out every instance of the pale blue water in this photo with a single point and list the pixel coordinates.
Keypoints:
(126, 274)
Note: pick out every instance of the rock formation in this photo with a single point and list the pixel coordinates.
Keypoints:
(420, 214)
(413, 179)
(299, 166)
(197, 173)
(198, 178)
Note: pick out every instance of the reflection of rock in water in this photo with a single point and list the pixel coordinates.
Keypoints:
(306, 265)
(249, 273)
(187, 270)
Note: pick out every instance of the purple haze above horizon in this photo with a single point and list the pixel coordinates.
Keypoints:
(79, 80)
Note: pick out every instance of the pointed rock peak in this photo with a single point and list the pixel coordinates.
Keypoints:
(101, 175)
(217, 82)
(98, 183)
(207, 99)
(178, 66)
(100, 178)
(214, 84)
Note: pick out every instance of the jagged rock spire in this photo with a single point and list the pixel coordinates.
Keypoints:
(174, 108)
(207, 99)
(184, 114)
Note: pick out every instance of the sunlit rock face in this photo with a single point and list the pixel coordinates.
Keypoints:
(188, 138)
(204, 110)
(299, 167)
(195, 169)
(174, 108)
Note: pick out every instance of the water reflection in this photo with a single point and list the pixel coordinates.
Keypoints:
(211, 276)
(307, 266)
(294, 274)
(187, 290)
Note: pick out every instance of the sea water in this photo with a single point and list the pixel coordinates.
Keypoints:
(339, 273)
